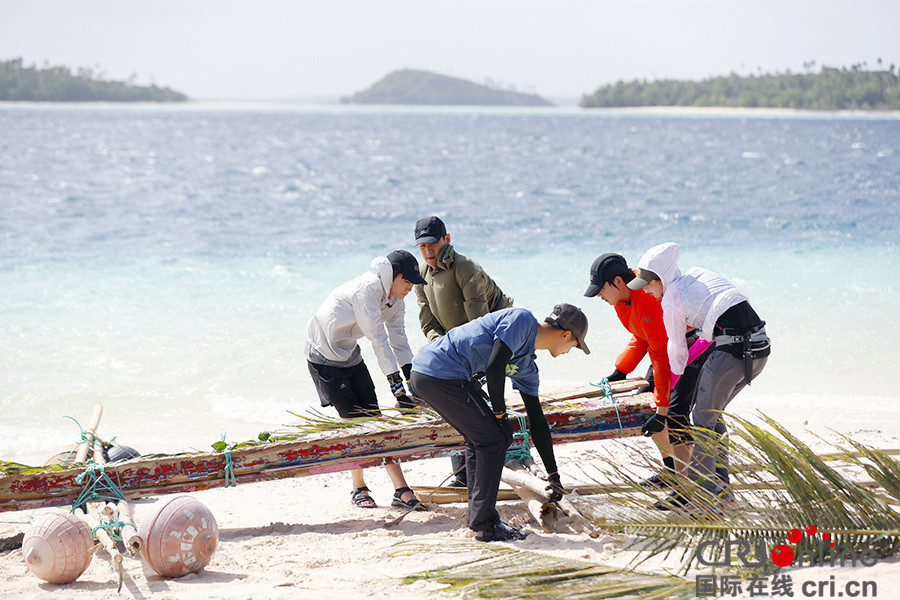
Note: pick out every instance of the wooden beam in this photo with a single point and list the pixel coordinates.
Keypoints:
(315, 454)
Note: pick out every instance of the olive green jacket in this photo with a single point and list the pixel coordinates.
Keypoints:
(455, 292)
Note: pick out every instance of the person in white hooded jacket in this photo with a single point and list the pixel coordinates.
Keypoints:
(706, 300)
(371, 306)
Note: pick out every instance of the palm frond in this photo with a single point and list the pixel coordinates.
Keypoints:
(782, 485)
(503, 572)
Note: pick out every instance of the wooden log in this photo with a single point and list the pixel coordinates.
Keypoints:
(310, 455)
(87, 444)
(101, 535)
(449, 495)
(99, 459)
(533, 494)
(579, 523)
(538, 487)
(129, 532)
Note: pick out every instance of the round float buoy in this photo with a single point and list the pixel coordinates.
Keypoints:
(180, 535)
(58, 546)
(63, 456)
(117, 453)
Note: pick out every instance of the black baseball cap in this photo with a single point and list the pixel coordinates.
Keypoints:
(429, 230)
(568, 317)
(405, 263)
(606, 268)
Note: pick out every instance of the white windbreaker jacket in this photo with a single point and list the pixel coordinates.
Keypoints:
(360, 308)
(697, 298)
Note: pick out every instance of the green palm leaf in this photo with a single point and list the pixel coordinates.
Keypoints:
(783, 485)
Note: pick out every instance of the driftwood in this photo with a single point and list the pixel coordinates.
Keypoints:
(102, 536)
(573, 415)
(531, 490)
(129, 532)
(87, 444)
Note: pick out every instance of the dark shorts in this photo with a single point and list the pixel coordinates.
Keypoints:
(349, 389)
(684, 396)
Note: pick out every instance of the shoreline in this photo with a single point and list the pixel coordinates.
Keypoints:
(303, 105)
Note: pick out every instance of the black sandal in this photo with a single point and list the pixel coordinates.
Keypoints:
(413, 504)
(361, 499)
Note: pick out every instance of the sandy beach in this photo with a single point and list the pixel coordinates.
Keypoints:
(301, 538)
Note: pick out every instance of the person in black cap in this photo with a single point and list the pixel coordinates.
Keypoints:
(641, 314)
(370, 306)
(500, 344)
(456, 290)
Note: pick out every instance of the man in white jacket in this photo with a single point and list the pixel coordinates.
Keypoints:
(706, 300)
(370, 306)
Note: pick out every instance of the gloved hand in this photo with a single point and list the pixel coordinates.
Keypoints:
(654, 424)
(555, 488)
(507, 428)
(396, 382)
(406, 402)
(616, 375)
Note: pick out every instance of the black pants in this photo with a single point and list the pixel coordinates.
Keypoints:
(458, 403)
(349, 389)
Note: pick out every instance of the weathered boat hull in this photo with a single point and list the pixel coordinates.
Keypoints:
(571, 415)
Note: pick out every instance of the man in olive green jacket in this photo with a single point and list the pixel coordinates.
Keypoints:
(456, 290)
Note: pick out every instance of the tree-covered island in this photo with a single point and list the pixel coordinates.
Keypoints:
(855, 88)
(58, 84)
(408, 86)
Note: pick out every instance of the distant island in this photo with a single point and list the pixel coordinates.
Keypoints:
(408, 86)
(830, 89)
(59, 84)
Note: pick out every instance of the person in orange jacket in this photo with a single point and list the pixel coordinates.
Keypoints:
(642, 316)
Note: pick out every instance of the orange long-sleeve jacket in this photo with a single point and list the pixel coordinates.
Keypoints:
(642, 315)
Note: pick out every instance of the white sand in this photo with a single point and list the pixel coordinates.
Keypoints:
(301, 538)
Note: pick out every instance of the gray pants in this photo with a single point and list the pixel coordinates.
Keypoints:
(721, 378)
(486, 443)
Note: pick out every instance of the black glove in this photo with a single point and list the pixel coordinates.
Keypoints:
(407, 402)
(654, 424)
(555, 488)
(407, 371)
(507, 428)
(616, 375)
(396, 384)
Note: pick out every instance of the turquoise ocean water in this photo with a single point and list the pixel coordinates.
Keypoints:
(164, 260)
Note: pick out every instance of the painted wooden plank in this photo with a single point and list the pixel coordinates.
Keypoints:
(322, 453)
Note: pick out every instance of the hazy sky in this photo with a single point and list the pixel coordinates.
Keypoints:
(279, 49)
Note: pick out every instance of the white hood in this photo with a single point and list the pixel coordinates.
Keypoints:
(663, 261)
(381, 266)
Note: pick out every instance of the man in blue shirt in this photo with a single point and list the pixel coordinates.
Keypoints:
(500, 344)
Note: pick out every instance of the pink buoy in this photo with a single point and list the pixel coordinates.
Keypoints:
(180, 535)
(58, 546)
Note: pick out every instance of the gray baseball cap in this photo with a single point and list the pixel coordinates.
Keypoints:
(568, 317)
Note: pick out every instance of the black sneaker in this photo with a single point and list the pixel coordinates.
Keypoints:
(500, 532)
(657, 482)
(457, 483)
(673, 501)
